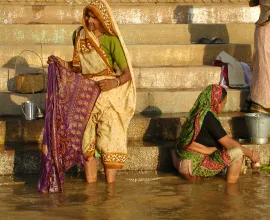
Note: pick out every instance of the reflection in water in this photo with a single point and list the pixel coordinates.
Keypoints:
(154, 196)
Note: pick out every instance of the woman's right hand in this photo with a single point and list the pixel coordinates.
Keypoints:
(255, 157)
(50, 60)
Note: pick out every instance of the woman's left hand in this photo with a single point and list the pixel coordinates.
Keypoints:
(255, 157)
(107, 84)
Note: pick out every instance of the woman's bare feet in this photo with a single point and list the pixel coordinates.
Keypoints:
(110, 175)
(90, 168)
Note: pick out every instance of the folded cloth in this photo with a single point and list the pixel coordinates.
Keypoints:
(247, 72)
(232, 74)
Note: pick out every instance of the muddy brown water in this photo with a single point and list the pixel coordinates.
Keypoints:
(138, 196)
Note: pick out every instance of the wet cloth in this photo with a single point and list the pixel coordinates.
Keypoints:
(193, 163)
(260, 83)
(106, 129)
(70, 99)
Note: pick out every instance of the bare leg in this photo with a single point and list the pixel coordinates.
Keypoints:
(110, 175)
(90, 168)
(234, 171)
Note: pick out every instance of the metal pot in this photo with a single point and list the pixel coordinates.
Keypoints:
(29, 110)
(256, 165)
(258, 127)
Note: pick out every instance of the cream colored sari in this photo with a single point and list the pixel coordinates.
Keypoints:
(114, 108)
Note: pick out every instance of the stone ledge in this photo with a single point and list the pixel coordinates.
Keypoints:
(80, 2)
(143, 156)
(148, 128)
(164, 100)
(134, 14)
(148, 77)
(141, 55)
(132, 33)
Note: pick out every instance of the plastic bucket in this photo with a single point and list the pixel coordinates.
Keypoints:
(258, 127)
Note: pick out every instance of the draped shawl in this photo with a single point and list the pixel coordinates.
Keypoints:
(208, 100)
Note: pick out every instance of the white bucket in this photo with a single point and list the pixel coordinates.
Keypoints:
(29, 110)
(258, 127)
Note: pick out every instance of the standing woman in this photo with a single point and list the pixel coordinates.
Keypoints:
(260, 82)
(99, 57)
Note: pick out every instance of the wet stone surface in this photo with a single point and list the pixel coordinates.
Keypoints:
(140, 195)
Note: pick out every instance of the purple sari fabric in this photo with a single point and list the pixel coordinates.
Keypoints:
(70, 99)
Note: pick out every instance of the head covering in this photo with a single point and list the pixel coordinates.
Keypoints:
(104, 14)
(208, 100)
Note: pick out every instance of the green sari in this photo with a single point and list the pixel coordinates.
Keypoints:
(198, 164)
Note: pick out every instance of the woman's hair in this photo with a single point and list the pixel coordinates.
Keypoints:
(224, 94)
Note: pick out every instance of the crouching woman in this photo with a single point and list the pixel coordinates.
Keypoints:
(203, 148)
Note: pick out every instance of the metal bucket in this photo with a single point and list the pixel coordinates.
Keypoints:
(29, 110)
(258, 127)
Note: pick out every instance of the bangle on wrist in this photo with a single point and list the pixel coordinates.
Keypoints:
(118, 81)
(66, 64)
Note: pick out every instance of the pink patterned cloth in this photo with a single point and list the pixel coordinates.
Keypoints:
(260, 83)
(70, 99)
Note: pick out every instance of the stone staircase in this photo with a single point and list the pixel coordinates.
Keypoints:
(170, 71)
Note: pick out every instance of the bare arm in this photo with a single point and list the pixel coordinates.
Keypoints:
(126, 76)
(202, 148)
(228, 142)
(107, 84)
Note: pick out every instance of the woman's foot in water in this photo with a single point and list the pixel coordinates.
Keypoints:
(90, 168)
(110, 175)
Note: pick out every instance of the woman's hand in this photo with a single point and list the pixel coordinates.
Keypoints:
(107, 84)
(50, 60)
(228, 142)
(255, 157)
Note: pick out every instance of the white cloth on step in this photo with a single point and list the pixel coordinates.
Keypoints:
(236, 75)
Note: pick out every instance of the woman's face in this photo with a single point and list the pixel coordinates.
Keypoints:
(222, 105)
(91, 21)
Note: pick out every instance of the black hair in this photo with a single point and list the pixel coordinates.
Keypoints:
(224, 94)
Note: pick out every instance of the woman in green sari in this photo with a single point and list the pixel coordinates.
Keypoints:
(203, 148)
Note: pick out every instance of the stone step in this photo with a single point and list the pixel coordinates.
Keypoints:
(141, 55)
(182, 100)
(18, 158)
(148, 77)
(132, 33)
(164, 100)
(176, 77)
(168, 13)
(127, 2)
(143, 156)
(147, 128)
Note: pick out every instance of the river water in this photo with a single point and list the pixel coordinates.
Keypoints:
(138, 196)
